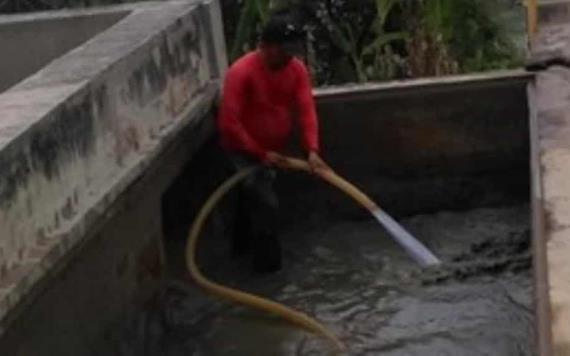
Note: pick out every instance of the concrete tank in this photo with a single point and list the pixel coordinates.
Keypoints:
(107, 149)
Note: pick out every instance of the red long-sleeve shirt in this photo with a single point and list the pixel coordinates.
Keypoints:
(257, 106)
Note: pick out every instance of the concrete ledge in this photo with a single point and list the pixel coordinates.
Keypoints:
(551, 47)
(395, 87)
(551, 94)
(76, 134)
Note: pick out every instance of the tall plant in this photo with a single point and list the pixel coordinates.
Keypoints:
(453, 36)
(253, 12)
(365, 43)
(382, 62)
(479, 40)
(427, 47)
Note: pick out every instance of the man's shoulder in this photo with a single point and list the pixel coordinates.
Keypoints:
(298, 66)
(241, 69)
(245, 62)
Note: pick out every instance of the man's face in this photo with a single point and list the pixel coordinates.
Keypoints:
(277, 58)
(279, 55)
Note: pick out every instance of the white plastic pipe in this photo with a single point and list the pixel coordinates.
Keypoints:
(410, 244)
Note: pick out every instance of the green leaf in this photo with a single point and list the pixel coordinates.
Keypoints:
(336, 34)
(383, 8)
(383, 40)
(262, 9)
(252, 13)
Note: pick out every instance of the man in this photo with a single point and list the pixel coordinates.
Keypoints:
(261, 92)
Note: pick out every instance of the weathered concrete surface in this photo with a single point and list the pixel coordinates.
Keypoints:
(77, 134)
(88, 297)
(29, 43)
(551, 93)
(550, 116)
(553, 11)
(429, 126)
(424, 145)
(548, 46)
(100, 284)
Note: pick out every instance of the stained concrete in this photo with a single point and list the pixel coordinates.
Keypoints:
(550, 131)
(97, 285)
(549, 45)
(424, 145)
(551, 194)
(553, 11)
(73, 138)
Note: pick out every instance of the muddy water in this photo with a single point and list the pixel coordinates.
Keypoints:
(361, 285)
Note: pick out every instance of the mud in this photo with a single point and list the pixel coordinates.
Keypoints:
(364, 288)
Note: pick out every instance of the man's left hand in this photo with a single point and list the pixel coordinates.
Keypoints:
(317, 164)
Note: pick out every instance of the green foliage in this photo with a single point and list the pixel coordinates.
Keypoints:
(363, 41)
(367, 40)
(479, 40)
(253, 13)
(471, 32)
(370, 40)
(383, 63)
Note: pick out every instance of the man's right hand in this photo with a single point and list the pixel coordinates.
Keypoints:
(276, 160)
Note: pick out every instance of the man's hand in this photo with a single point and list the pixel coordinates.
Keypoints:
(317, 164)
(276, 160)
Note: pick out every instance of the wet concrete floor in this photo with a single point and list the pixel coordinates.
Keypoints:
(355, 280)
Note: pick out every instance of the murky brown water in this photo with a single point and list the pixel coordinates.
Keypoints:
(357, 282)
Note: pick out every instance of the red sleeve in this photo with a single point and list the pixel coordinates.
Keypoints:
(229, 121)
(307, 112)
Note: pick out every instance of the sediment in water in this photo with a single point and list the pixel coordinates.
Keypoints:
(352, 277)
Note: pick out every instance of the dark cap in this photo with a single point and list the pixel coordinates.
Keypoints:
(284, 30)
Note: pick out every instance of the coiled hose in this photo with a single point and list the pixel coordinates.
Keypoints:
(251, 300)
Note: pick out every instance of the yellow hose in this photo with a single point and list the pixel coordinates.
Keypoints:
(248, 299)
(266, 305)
(413, 246)
(334, 179)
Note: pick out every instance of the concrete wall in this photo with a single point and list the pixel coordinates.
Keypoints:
(550, 98)
(73, 138)
(30, 44)
(421, 146)
(553, 11)
(96, 287)
(415, 147)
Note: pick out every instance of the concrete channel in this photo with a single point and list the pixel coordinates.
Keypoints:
(108, 148)
(450, 158)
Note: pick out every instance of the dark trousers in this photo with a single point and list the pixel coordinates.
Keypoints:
(256, 217)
